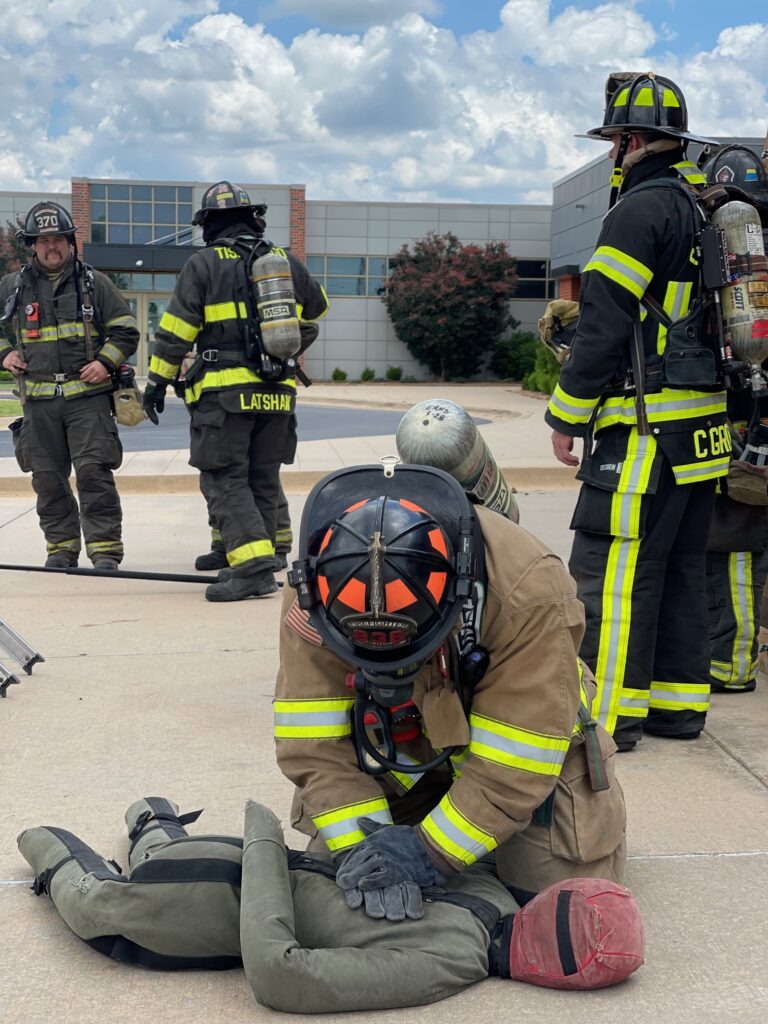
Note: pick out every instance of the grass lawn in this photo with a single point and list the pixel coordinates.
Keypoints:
(10, 407)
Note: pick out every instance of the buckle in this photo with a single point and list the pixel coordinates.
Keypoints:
(87, 312)
(58, 391)
(210, 355)
(59, 378)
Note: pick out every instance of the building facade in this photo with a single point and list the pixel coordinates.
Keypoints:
(140, 233)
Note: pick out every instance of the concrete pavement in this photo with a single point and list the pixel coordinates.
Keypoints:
(148, 690)
(517, 436)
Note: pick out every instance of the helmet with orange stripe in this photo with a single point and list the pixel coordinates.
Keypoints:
(386, 563)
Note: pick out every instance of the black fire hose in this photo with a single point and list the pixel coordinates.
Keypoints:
(124, 574)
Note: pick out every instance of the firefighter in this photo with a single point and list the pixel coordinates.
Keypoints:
(737, 552)
(642, 380)
(429, 677)
(66, 330)
(242, 423)
(204, 902)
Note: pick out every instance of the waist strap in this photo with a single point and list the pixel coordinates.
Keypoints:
(51, 378)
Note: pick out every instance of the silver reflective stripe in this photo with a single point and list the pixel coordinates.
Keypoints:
(634, 702)
(514, 748)
(347, 825)
(640, 280)
(572, 410)
(454, 833)
(706, 470)
(306, 718)
(694, 693)
(740, 572)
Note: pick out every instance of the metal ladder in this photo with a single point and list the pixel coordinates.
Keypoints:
(20, 651)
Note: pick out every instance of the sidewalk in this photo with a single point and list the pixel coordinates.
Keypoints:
(517, 436)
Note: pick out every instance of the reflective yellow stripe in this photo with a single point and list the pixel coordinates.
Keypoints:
(112, 353)
(669, 99)
(219, 311)
(406, 780)
(633, 703)
(233, 377)
(569, 408)
(677, 300)
(70, 329)
(455, 834)
(122, 321)
(314, 319)
(615, 625)
(707, 469)
(679, 696)
(621, 268)
(742, 603)
(313, 719)
(161, 368)
(180, 328)
(690, 172)
(626, 502)
(513, 747)
(339, 827)
(643, 97)
(63, 545)
(254, 549)
(666, 405)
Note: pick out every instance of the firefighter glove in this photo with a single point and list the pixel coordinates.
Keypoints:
(392, 861)
(153, 400)
(394, 902)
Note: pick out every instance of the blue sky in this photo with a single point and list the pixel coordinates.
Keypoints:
(431, 100)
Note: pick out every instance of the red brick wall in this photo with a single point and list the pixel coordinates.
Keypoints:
(568, 286)
(81, 210)
(298, 222)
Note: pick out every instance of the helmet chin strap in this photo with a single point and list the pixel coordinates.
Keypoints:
(617, 175)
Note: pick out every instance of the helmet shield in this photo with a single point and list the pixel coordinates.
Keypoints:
(389, 563)
(46, 219)
(644, 102)
(226, 196)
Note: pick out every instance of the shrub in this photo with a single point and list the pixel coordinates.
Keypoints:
(515, 355)
(339, 374)
(394, 373)
(545, 373)
(368, 374)
(6, 375)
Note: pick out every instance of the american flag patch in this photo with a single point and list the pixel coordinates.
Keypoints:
(297, 619)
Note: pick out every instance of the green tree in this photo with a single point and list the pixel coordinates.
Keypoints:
(13, 253)
(448, 302)
(545, 373)
(515, 355)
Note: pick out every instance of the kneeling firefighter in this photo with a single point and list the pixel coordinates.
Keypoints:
(429, 677)
(212, 902)
(239, 301)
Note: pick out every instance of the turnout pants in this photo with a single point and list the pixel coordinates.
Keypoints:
(735, 581)
(303, 949)
(283, 531)
(239, 457)
(646, 610)
(57, 434)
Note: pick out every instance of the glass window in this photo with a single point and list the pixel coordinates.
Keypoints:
(376, 285)
(345, 264)
(98, 233)
(185, 194)
(141, 193)
(165, 193)
(118, 192)
(345, 285)
(119, 233)
(531, 268)
(185, 213)
(141, 282)
(165, 213)
(98, 191)
(377, 265)
(141, 234)
(165, 282)
(118, 211)
(98, 212)
(141, 213)
(315, 264)
(530, 290)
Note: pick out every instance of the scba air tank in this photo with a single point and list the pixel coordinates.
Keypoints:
(440, 433)
(745, 300)
(276, 305)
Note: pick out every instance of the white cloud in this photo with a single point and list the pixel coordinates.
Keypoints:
(404, 109)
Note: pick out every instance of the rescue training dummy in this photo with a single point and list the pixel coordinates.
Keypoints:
(212, 902)
(429, 677)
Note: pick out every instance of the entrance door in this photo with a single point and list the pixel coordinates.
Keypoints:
(148, 309)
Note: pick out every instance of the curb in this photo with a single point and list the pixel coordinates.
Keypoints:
(520, 478)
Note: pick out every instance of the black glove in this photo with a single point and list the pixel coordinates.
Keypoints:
(395, 902)
(393, 861)
(153, 400)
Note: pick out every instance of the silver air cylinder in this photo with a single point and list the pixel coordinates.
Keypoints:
(745, 299)
(276, 305)
(440, 433)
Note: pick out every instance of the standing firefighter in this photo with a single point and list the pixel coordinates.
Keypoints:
(429, 677)
(241, 396)
(642, 378)
(67, 329)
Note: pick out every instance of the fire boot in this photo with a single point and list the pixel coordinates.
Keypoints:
(61, 560)
(216, 558)
(105, 564)
(237, 588)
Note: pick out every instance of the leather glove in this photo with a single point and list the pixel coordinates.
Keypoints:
(395, 902)
(391, 860)
(153, 400)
